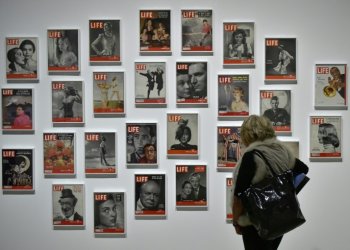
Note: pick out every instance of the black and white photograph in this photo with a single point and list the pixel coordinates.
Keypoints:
(150, 195)
(17, 169)
(68, 205)
(191, 185)
(229, 215)
(228, 147)
(104, 40)
(22, 58)
(63, 50)
(109, 213)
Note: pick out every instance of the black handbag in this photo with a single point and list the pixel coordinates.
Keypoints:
(272, 204)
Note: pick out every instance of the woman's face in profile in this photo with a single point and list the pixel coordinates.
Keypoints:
(320, 135)
(187, 190)
(239, 38)
(108, 213)
(183, 86)
(19, 58)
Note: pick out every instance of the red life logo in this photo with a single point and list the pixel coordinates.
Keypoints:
(8, 153)
(174, 118)
(317, 120)
(225, 79)
(100, 77)
(133, 129)
(96, 25)
(224, 131)
(322, 70)
(12, 41)
(92, 137)
(7, 92)
(181, 169)
(57, 85)
(230, 27)
(50, 137)
(146, 14)
(140, 66)
(266, 94)
(271, 42)
(141, 178)
(54, 34)
(188, 14)
(100, 197)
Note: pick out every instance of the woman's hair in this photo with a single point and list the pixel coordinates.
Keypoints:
(181, 130)
(64, 40)
(256, 128)
(240, 89)
(97, 208)
(11, 54)
(329, 134)
(184, 184)
(26, 42)
(237, 32)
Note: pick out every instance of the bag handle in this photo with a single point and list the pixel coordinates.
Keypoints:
(262, 156)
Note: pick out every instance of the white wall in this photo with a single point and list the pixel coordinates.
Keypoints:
(322, 32)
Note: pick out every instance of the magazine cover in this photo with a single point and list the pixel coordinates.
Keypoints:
(63, 50)
(150, 195)
(22, 58)
(238, 46)
(229, 150)
(100, 156)
(276, 106)
(197, 30)
(108, 92)
(68, 205)
(280, 59)
(155, 31)
(233, 95)
(17, 169)
(67, 102)
(59, 154)
(330, 86)
(141, 144)
(104, 40)
(109, 215)
(17, 109)
(191, 186)
(229, 215)
(191, 83)
(150, 83)
(182, 138)
(325, 137)
(293, 146)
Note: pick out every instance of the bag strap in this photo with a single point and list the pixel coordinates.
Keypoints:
(262, 156)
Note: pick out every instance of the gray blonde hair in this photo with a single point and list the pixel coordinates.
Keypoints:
(256, 128)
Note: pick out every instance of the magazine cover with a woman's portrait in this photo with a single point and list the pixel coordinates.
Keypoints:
(22, 58)
(100, 156)
(141, 144)
(192, 83)
(280, 60)
(238, 48)
(325, 138)
(191, 185)
(68, 205)
(17, 109)
(233, 95)
(276, 106)
(17, 169)
(150, 83)
(182, 134)
(108, 93)
(104, 40)
(150, 195)
(59, 153)
(229, 214)
(109, 213)
(67, 102)
(155, 31)
(63, 50)
(330, 86)
(228, 148)
(197, 30)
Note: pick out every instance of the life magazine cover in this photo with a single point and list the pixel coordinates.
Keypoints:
(191, 186)
(228, 147)
(229, 215)
(17, 169)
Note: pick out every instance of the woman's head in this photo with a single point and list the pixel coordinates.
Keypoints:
(28, 48)
(106, 212)
(187, 188)
(256, 128)
(239, 37)
(327, 134)
(63, 44)
(183, 132)
(15, 55)
(238, 93)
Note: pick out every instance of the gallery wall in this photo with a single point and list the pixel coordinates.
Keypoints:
(321, 29)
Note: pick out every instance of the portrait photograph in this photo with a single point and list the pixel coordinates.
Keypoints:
(228, 147)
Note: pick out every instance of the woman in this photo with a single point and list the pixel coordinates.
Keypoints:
(239, 48)
(327, 136)
(22, 119)
(64, 55)
(186, 192)
(257, 134)
(28, 49)
(284, 59)
(106, 213)
(184, 87)
(16, 58)
(238, 104)
(71, 95)
(106, 43)
(183, 134)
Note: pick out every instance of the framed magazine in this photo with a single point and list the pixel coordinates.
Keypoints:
(191, 185)
(229, 214)
(109, 93)
(18, 170)
(197, 30)
(67, 102)
(280, 60)
(155, 31)
(100, 154)
(331, 86)
(141, 145)
(238, 47)
(325, 138)
(182, 134)
(59, 154)
(109, 213)
(68, 206)
(104, 41)
(22, 59)
(17, 109)
(150, 195)
(276, 105)
(228, 147)
(150, 83)
(233, 96)
(63, 51)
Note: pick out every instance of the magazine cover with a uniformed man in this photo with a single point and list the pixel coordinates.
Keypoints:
(191, 185)
(228, 149)
(17, 169)
(17, 109)
(150, 195)
(109, 213)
